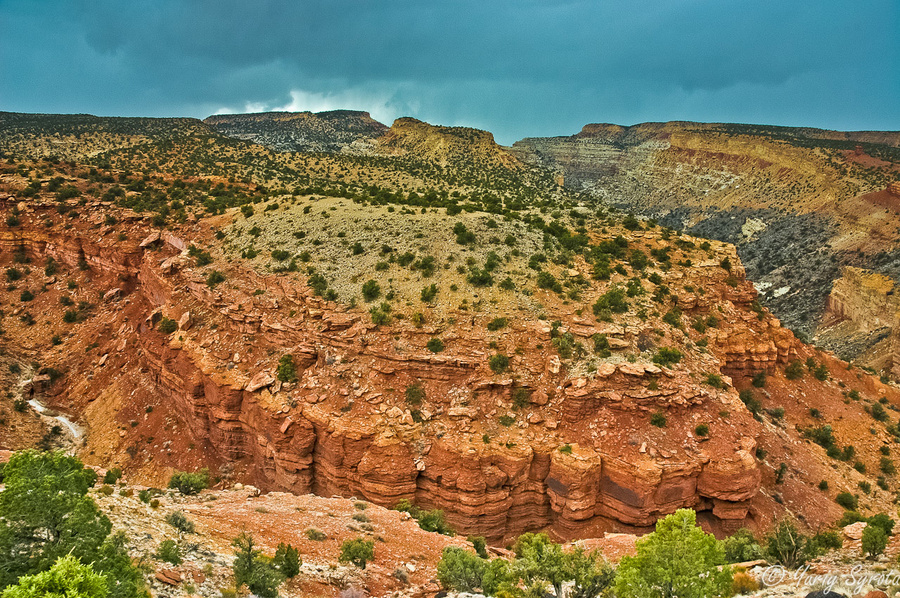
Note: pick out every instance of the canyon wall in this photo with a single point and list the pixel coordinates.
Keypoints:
(581, 456)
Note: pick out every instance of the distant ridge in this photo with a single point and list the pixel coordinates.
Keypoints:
(333, 131)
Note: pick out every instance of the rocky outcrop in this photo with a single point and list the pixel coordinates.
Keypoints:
(581, 454)
(337, 131)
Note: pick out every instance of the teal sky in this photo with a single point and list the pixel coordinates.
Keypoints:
(517, 68)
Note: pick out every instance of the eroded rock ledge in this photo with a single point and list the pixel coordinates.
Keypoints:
(581, 454)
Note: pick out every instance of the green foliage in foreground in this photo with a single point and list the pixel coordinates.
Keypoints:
(66, 578)
(254, 570)
(540, 564)
(678, 559)
(46, 514)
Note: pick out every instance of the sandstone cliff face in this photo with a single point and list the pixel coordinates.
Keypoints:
(860, 320)
(580, 456)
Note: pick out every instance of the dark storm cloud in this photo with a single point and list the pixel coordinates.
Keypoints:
(517, 68)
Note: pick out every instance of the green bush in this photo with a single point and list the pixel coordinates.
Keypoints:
(497, 324)
(190, 483)
(214, 278)
(167, 325)
(46, 513)
(357, 551)
(787, 546)
(702, 430)
(435, 345)
(169, 551)
(759, 379)
(286, 371)
(379, 317)
(612, 301)
(874, 541)
(371, 290)
(434, 521)
(658, 419)
(498, 363)
(846, 500)
(67, 577)
(252, 569)
(429, 293)
(794, 370)
(460, 570)
(112, 475)
(601, 345)
(666, 356)
(742, 546)
(715, 380)
(677, 539)
(287, 560)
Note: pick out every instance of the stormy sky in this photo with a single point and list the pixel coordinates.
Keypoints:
(515, 67)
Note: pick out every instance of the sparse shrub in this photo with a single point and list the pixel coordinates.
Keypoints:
(252, 569)
(379, 317)
(179, 521)
(673, 318)
(106, 490)
(169, 552)
(846, 500)
(287, 560)
(794, 370)
(759, 379)
(190, 483)
(823, 485)
(316, 535)
(167, 325)
(415, 394)
(497, 324)
(612, 301)
(429, 293)
(461, 571)
(112, 475)
(435, 345)
(214, 278)
(658, 419)
(434, 521)
(702, 430)
(521, 398)
(715, 380)
(498, 363)
(666, 356)
(286, 371)
(357, 551)
(371, 290)
(506, 420)
(743, 583)
(887, 466)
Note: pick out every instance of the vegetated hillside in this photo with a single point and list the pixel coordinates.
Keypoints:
(486, 177)
(333, 131)
(81, 136)
(539, 367)
(797, 203)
